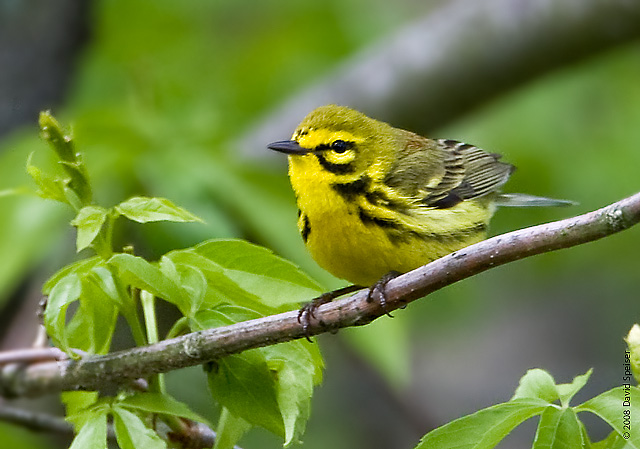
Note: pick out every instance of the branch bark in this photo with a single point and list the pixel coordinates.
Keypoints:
(98, 372)
(455, 59)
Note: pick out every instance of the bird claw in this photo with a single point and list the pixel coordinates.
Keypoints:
(307, 311)
(381, 288)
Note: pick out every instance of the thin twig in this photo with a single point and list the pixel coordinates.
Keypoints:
(96, 372)
(31, 355)
(193, 435)
(40, 422)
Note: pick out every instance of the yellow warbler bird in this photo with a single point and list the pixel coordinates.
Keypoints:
(374, 199)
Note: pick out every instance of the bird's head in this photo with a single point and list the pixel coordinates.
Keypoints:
(338, 141)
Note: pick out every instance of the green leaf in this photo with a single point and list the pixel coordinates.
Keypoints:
(49, 187)
(191, 279)
(92, 326)
(93, 323)
(287, 374)
(568, 391)
(219, 287)
(93, 434)
(144, 210)
(221, 315)
(139, 273)
(612, 406)
(162, 404)
(79, 267)
(131, 433)
(230, 429)
(485, 428)
(77, 189)
(559, 428)
(537, 384)
(77, 405)
(297, 371)
(613, 441)
(66, 291)
(246, 386)
(52, 132)
(89, 222)
(632, 356)
(253, 269)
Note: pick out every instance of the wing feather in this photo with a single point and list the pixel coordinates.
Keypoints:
(442, 173)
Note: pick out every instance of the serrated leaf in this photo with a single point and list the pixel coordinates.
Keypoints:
(292, 370)
(63, 293)
(613, 441)
(93, 434)
(297, 372)
(568, 391)
(161, 404)
(611, 405)
(230, 429)
(49, 187)
(219, 287)
(245, 385)
(103, 279)
(131, 433)
(89, 222)
(139, 273)
(79, 267)
(93, 323)
(53, 133)
(485, 428)
(92, 326)
(192, 281)
(75, 403)
(145, 209)
(252, 268)
(77, 188)
(559, 428)
(222, 315)
(537, 384)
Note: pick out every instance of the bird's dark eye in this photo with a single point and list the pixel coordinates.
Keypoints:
(339, 146)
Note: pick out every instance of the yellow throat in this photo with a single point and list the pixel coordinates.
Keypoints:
(374, 199)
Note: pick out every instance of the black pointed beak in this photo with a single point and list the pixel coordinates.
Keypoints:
(288, 147)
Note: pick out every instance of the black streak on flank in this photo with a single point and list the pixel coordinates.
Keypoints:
(397, 232)
(306, 228)
(338, 169)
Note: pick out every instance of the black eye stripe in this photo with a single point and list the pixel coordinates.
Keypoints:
(339, 146)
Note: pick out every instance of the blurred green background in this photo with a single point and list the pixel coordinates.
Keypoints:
(155, 93)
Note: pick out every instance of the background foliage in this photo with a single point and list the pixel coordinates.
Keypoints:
(161, 89)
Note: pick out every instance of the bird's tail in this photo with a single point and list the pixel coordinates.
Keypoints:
(524, 200)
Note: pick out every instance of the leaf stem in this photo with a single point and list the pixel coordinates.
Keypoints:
(148, 301)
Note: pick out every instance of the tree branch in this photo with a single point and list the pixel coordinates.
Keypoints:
(39, 422)
(456, 58)
(97, 372)
(194, 435)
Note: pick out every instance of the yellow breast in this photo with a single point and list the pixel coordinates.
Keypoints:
(356, 239)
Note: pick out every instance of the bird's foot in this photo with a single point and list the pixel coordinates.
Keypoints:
(307, 311)
(379, 289)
